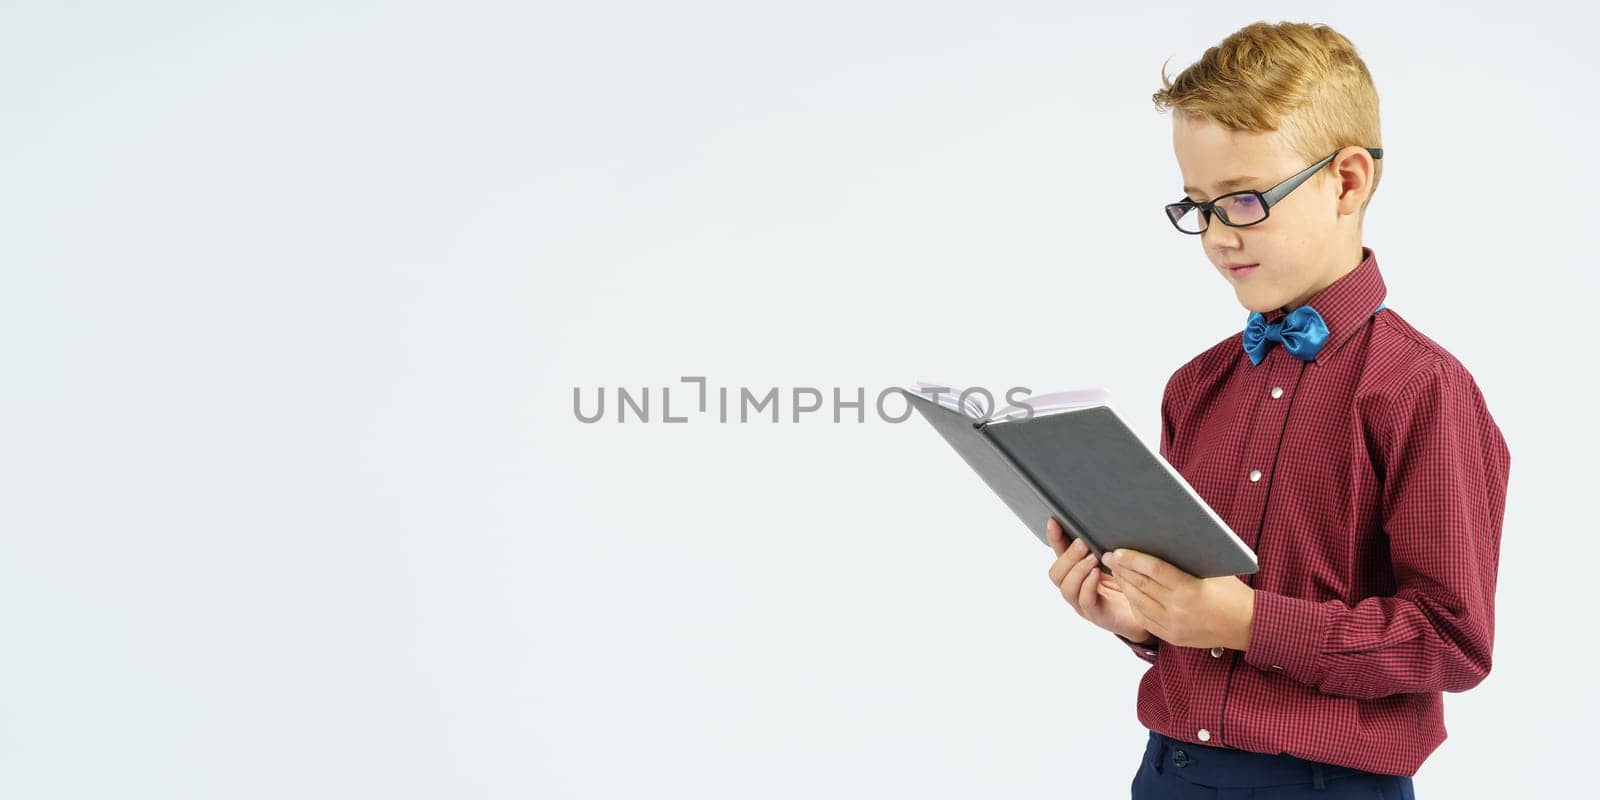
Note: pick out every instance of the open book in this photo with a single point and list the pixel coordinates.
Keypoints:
(1070, 455)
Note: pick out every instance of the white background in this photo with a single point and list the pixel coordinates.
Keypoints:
(293, 501)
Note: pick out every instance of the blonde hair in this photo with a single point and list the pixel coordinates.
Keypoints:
(1302, 79)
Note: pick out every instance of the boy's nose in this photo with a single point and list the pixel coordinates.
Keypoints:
(1219, 237)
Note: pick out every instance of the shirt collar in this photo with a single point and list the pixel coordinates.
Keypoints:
(1346, 303)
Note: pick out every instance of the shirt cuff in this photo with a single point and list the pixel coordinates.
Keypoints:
(1144, 651)
(1286, 635)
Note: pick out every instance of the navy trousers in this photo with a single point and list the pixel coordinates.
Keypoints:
(1178, 770)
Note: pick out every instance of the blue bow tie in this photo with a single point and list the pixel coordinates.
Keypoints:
(1302, 332)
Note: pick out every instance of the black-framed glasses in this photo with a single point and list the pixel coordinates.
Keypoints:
(1247, 207)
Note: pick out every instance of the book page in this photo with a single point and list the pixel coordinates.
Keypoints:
(948, 395)
(1064, 400)
(1039, 403)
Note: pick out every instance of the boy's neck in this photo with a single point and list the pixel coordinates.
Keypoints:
(1349, 267)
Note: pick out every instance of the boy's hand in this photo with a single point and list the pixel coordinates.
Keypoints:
(1076, 572)
(1183, 609)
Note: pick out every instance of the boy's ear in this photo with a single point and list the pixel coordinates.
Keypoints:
(1353, 169)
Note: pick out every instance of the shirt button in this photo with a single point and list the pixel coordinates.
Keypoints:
(1255, 475)
(1149, 652)
(1205, 735)
(1277, 392)
(1275, 666)
(1216, 652)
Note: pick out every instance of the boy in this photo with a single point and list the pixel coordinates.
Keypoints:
(1355, 456)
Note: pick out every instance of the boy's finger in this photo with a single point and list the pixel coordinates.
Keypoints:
(1072, 582)
(1140, 603)
(1052, 532)
(1089, 593)
(1066, 558)
(1064, 564)
(1144, 584)
(1148, 565)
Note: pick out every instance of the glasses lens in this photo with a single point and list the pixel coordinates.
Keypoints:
(1244, 208)
(1187, 217)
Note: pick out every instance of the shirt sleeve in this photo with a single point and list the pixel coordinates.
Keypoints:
(1445, 467)
(1145, 652)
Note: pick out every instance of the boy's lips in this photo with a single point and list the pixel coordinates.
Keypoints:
(1240, 270)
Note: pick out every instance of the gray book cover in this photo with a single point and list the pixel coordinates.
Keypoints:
(1089, 470)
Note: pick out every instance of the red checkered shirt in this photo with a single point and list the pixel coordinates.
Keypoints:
(1371, 484)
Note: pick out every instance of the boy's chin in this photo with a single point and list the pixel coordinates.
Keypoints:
(1258, 301)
